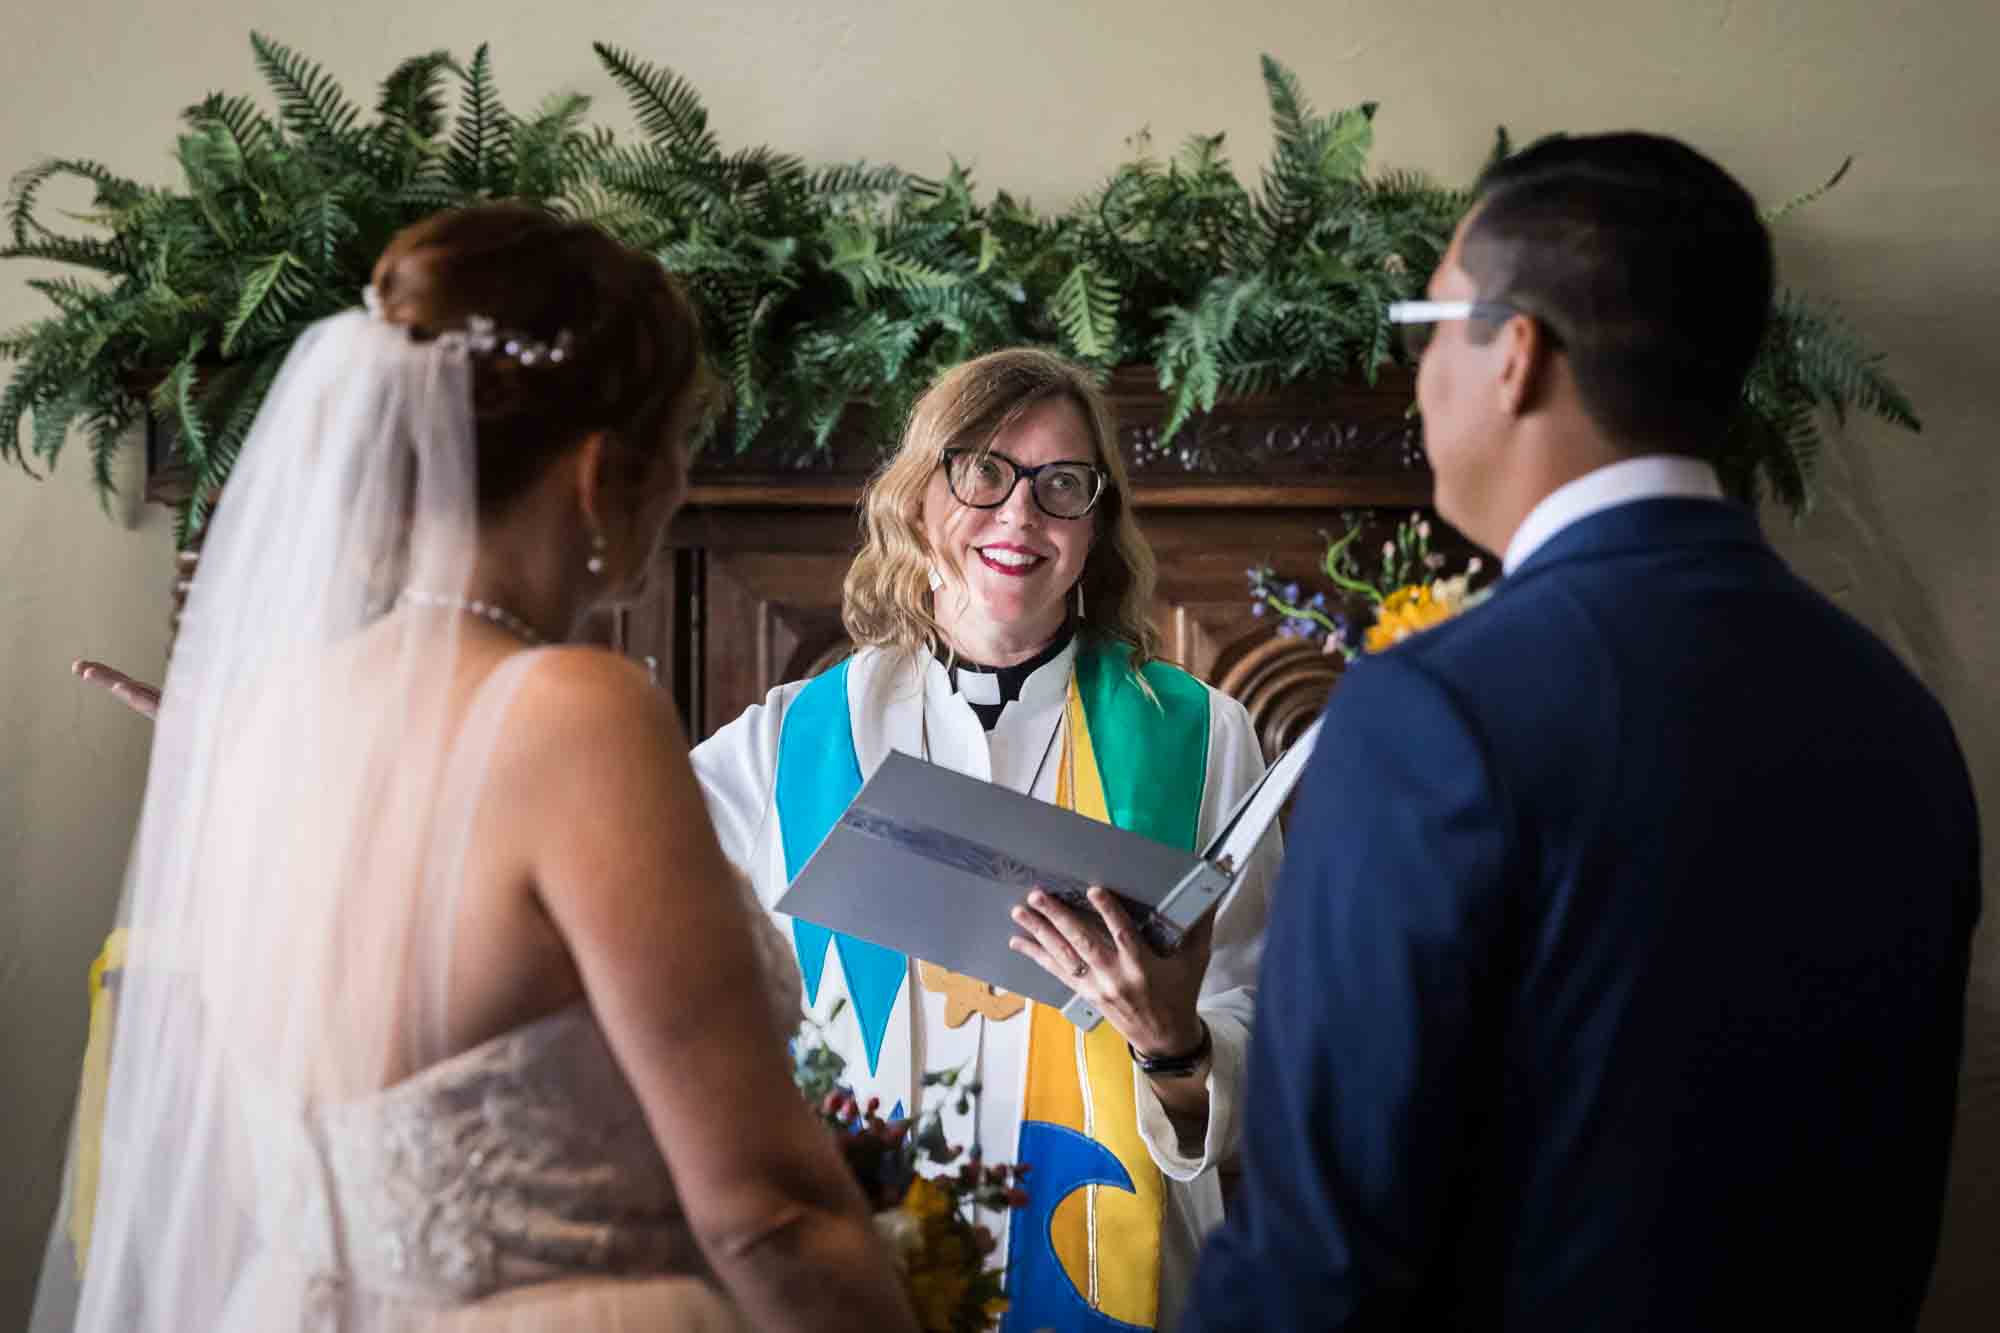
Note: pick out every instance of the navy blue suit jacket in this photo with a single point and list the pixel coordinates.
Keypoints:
(1616, 974)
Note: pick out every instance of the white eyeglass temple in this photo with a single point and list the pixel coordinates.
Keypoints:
(1428, 312)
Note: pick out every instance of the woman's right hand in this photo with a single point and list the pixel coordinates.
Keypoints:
(136, 695)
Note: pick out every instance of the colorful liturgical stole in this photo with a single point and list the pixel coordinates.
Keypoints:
(1085, 1253)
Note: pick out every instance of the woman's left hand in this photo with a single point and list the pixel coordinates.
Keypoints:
(1148, 997)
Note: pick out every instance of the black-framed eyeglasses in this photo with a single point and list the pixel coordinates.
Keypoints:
(983, 479)
(1419, 319)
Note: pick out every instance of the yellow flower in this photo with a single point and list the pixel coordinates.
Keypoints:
(926, 1200)
(1417, 606)
(937, 1294)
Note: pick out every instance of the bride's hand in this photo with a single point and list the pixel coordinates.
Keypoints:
(136, 695)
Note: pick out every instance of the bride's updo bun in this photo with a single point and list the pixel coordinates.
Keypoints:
(629, 361)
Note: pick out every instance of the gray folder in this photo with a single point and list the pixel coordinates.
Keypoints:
(930, 862)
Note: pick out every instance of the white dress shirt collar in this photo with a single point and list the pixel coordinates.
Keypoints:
(1651, 477)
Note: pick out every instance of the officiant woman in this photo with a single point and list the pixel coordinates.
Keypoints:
(998, 611)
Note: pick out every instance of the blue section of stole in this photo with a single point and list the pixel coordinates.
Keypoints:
(818, 774)
(1040, 1292)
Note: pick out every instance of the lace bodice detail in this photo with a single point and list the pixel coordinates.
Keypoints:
(523, 1160)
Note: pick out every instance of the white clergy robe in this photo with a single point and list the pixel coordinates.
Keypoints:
(896, 702)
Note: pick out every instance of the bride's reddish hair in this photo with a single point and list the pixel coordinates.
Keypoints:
(633, 366)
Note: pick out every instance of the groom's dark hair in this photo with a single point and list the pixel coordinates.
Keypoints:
(1650, 266)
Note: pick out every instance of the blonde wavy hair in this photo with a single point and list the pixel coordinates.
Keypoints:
(887, 600)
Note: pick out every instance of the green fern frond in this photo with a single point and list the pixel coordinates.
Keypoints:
(748, 167)
(240, 116)
(1188, 367)
(1262, 375)
(745, 365)
(1202, 155)
(668, 108)
(213, 164)
(53, 416)
(262, 289)
(480, 160)
(1085, 307)
(552, 150)
(101, 256)
(323, 228)
(68, 295)
(823, 417)
(648, 179)
(112, 191)
(15, 403)
(1764, 452)
(425, 194)
(857, 178)
(109, 425)
(176, 397)
(233, 401)
(910, 276)
(1796, 202)
(1291, 113)
(411, 103)
(630, 224)
(1829, 366)
(310, 101)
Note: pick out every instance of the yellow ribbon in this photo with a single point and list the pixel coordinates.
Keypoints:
(90, 1097)
(1108, 1240)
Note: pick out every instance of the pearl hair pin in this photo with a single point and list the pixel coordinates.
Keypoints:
(481, 336)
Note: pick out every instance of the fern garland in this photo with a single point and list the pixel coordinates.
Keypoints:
(830, 294)
(275, 223)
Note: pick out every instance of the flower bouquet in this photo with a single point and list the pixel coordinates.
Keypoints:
(1408, 590)
(928, 1220)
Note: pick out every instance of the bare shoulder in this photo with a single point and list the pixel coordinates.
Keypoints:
(586, 727)
(579, 691)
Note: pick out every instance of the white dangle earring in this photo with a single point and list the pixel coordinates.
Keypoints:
(596, 562)
(937, 579)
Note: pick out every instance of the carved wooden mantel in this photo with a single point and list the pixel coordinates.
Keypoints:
(760, 550)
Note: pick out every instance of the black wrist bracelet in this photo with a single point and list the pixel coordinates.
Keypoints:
(1174, 1066)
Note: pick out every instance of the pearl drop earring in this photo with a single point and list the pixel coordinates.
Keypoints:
(596, 562)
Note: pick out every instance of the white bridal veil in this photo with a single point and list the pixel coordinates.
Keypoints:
(288, 903)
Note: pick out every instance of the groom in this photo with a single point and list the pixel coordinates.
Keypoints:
(1616, 974)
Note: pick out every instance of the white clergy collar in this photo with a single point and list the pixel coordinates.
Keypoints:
(1650, 477)
(1045, 684)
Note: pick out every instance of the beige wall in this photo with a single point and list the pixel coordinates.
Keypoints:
(1039, 96)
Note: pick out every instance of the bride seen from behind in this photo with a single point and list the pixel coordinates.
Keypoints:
(442, 1006)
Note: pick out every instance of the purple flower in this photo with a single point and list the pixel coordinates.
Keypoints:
(1256, 608)
(1292, 593)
